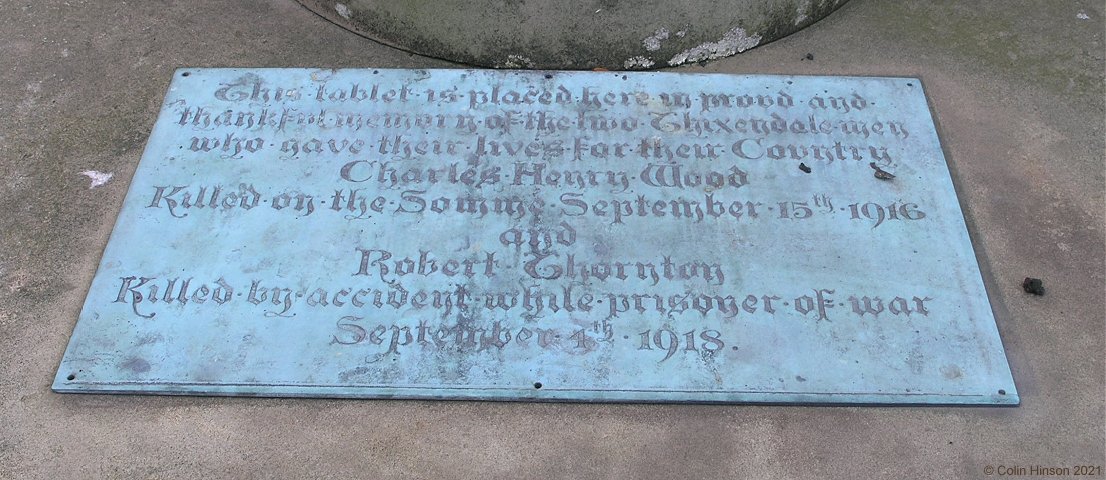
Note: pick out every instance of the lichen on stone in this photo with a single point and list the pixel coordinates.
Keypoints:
(518, 61)
(343, 10)
(734, 41)
(803, 12)
(652, 43)
(638, 62)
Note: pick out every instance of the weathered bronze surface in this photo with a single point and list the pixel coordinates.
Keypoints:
(541, 236)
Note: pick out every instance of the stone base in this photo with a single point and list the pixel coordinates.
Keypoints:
(563, 34)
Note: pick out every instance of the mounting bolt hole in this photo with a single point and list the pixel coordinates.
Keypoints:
(71, 376)
(185, 74)
(537, 385)
(1002, 392)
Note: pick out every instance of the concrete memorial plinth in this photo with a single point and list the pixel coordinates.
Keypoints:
(560, 34)
(583, 236)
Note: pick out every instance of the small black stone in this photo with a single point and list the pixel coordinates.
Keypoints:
(804, 168)
(1033, 285)
(809, 56)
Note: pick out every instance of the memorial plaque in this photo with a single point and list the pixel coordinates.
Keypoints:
(582, 236)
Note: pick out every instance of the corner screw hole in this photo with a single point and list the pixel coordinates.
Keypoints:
(548, 76)
(1002, 392)
(71, 376)
(537, 385)
(185, 74)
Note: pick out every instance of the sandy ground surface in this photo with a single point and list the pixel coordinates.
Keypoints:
(1017, 89)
